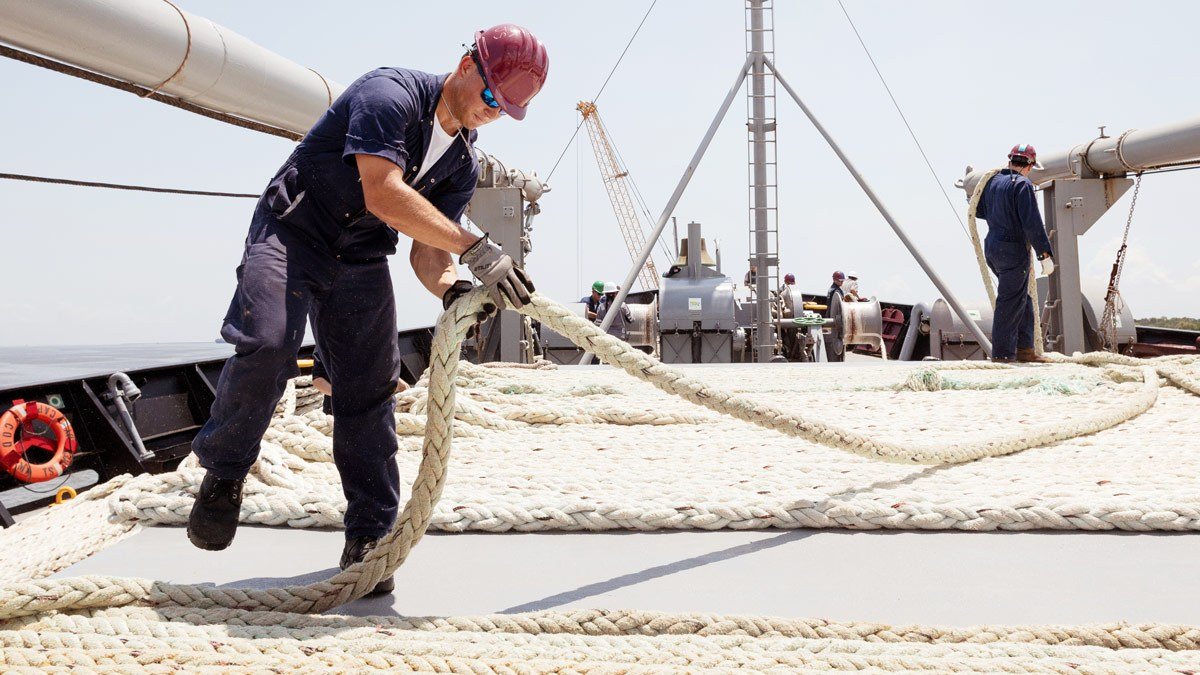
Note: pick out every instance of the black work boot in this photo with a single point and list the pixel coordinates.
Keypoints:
(356, 549)
(214, 517)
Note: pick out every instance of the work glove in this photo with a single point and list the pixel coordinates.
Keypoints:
(1047, 266)
(503, 279)
(461, 288)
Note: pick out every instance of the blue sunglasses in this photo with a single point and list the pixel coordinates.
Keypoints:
(486, 94)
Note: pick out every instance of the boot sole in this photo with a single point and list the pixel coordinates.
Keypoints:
(207, 545)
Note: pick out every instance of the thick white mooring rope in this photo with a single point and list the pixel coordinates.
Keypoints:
(159, 614)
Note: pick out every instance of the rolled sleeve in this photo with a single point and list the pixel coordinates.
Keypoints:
(379, 112)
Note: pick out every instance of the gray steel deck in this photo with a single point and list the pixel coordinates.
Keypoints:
(951, 578)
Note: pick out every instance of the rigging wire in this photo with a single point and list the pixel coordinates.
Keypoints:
(597, 96)
(578, 216)
(119, 186)
(912, 133)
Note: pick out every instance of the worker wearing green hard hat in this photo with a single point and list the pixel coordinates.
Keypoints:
(593, 301)
(619, 328)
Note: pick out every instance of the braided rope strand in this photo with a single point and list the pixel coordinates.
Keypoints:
(131, 607)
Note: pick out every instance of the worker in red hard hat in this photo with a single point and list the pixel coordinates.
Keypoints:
(835, 288)
(789, 279)
(514, 65)
(393, 155)
(1010, 208)
(1024, 155)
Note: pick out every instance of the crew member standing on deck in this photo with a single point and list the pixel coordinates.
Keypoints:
(835, 288)
(619, 327)
(593, 301)
(392, 155)
(789, 279)
(1010, 208)
(850, 288)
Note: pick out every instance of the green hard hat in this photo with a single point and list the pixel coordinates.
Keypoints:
(598, 286)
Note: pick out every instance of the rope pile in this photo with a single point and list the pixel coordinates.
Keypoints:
(131, 639)
(100, 622)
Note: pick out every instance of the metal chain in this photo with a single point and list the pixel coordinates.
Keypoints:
(1108, 324)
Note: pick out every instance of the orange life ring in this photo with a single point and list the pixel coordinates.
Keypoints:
(12, 449)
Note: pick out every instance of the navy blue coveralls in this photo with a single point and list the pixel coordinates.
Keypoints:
(834, 289)
(314, 249)
(1014, 224)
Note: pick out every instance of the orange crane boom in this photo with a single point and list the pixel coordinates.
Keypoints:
(615, 177)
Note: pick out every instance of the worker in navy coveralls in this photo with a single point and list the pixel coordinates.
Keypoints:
(1014, 224)
(392, 155)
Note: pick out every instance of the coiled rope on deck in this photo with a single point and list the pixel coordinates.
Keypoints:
(579, 641)
(92, 592)
(97, 596)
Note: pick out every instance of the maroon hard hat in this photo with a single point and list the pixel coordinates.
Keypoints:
(838, 276)
(789, 278)
(515, 64)
(1027, 152)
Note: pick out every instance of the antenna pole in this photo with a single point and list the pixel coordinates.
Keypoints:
(764, 175)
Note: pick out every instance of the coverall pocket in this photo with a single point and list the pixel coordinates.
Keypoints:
(366, 238)
(305, 217)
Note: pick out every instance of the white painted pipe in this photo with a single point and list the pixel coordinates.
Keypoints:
(1132, 151)
(153, 44)
(919, 311)
(1135, 150)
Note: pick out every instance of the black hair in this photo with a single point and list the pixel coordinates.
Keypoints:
(1018, 160)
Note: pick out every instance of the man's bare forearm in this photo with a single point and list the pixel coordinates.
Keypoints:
(391, 200)
(434, 267)
(411, 214)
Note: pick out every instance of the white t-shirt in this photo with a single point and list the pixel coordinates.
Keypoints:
(439, 143)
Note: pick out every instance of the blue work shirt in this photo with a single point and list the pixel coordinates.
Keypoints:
(592, 305)
(1010, 208)
(389, 113)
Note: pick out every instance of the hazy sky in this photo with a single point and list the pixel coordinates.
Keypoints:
(87, 266)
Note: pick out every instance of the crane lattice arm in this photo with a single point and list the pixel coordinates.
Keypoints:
(615, 181)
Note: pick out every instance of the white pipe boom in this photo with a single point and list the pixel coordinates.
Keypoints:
(153, 44)
(1133, 151)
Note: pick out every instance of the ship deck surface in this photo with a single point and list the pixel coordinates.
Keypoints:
(951, 578)
(897, 577)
